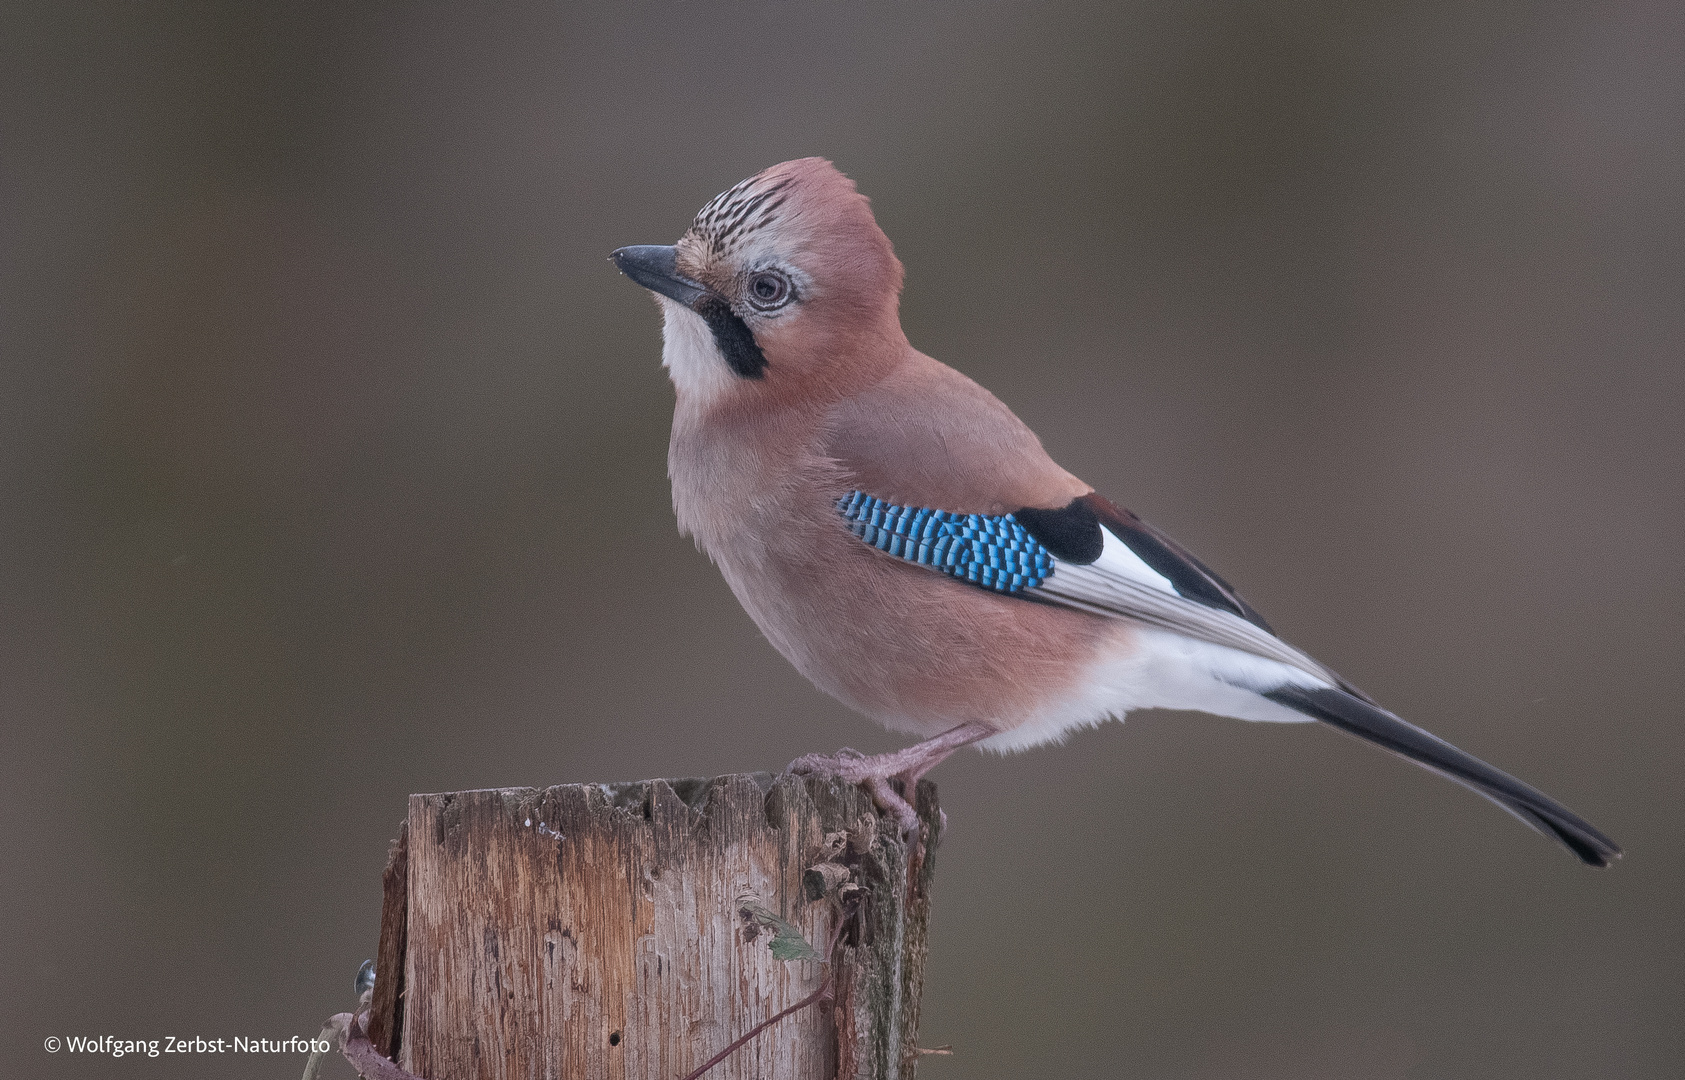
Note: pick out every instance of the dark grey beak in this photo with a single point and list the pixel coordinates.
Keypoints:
(653, 267)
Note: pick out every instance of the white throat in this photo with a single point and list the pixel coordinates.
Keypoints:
(691, 357)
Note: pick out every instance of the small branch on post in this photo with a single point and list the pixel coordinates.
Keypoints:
(594, 930)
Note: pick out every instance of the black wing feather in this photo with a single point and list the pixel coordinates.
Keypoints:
(1192, 578)
(1073, 533)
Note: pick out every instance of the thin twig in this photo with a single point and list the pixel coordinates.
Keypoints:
(823, 993)
(826, 992)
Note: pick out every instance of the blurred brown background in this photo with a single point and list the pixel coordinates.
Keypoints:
(333, 457)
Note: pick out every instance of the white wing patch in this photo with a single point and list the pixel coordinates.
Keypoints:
(1182, 654)
(1119, 584)
(1119, 560)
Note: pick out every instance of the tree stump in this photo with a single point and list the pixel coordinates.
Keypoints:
(625, 932)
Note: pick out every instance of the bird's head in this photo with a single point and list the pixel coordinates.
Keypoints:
(783, 287)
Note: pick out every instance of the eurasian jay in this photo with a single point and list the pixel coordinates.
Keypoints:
(904, 540)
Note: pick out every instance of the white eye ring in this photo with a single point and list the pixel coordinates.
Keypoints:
(769, 290)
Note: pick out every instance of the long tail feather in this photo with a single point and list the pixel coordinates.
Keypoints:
(1376, 725)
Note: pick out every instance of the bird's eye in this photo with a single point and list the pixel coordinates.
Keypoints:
(769, 289)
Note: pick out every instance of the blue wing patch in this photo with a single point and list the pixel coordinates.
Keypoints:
(990, 550)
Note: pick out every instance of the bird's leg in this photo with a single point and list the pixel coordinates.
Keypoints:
(877, 773)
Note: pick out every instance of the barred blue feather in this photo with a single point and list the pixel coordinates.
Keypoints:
(990, 550)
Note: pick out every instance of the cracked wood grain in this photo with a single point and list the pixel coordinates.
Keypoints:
(592, 931)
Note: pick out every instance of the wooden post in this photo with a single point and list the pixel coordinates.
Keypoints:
(623, 932)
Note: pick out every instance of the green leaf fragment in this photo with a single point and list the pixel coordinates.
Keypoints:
(787, 942)
(789, 945)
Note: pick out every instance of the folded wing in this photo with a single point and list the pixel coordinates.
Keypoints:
(1096, 557)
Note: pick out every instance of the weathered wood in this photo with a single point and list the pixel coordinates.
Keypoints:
(386, 1008)
(598, 932)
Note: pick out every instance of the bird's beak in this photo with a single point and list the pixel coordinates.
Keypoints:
(655, 268)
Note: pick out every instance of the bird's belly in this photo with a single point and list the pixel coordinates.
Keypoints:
(909, 647)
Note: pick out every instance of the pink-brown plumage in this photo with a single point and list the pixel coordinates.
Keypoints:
(849, 404)
(797, 387)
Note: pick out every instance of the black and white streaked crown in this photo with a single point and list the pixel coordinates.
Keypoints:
(739, 212)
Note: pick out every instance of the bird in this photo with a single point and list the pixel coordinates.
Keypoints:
(908, 544)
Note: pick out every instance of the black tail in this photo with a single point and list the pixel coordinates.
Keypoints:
(1382, 728)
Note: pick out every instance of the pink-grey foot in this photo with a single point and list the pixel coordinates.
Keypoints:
(877, 773)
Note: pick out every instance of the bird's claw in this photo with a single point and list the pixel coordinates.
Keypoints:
(857, 768)
(893, 778)
(893, 802)
(845, 763)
